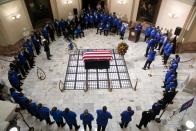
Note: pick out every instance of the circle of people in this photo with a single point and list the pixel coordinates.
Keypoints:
(70, 29)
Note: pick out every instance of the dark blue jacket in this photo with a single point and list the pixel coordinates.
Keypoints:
(70, 117)
(102, 117)
(126, 116)
(57, 115)
(16, 96)
(151, 55)
(151, 43)
(13, 78)
(169, 73)
(153, 33)
(174, 66)
(107, 26)
(171, 85)
(22, 58)
(23, 101)
(33, 108)
(86, 118)
(147, 31)
(156, 107)
(168, 50)
(158, 36)
(138, 28)
(122, 30)
(169, 79)
(44, 112)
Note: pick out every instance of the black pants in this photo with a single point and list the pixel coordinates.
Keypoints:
(124, 124)
(48, 54)
(146, 37)
(74, 124)
(121, 36)
(106, 32)
(160, 45)
(143, 122)
(147, 50)
(165, 58)
(101, 128)
(48, 121)
(147, 64)
(137, 36)
(89, 125)
(60, 124)
(37, 49)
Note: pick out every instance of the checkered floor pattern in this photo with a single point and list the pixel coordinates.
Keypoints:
(78, 78)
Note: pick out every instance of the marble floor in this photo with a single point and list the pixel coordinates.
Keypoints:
(148, 89)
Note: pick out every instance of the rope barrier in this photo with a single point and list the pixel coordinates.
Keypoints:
(5, 60)
(188, 60)
(61, 86)
(41, 74)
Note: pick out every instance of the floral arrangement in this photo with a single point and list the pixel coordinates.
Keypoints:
(122, 48)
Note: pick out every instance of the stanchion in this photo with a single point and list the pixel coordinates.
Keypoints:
(135, 87)
(30, 128)
(41, 74)
(109, 86)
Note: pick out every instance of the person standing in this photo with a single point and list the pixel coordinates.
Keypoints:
(146, 117)
(57, 116)
(156, 107)
(87, 119)
(126, 117)
(138, 29)
(147, 32)
(102, 118)
(14, 80)
(70, 118)
(122, 31)
(150, 59)
(44, 113)
(47, 49)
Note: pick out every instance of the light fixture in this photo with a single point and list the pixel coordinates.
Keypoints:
(121, 2)
(15, 128)
(13, 17)
(68, 2)
(16, 17)
(172, 15)
(190, 124)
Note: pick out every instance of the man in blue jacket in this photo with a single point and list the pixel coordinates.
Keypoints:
(153, 32)
(126, 117)
(106, 28)
(150, 45)
(87, 119)
(44, 114)
(122, 31)
(150, 59)
(57, 116)
(100, 27)
(14, 79)
(70, 118)
(15, 95)
(138, 29)
(156, 107)
(147, 32)
(102, 118)
(33, 109)
(167, 52)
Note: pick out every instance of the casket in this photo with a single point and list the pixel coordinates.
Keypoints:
(97, 59)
